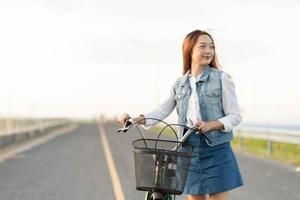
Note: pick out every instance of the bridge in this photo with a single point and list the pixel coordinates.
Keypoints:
(82, 161)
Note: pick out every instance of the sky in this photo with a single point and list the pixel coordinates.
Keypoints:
(83, 58)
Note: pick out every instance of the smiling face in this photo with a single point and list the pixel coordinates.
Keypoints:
(203, 51)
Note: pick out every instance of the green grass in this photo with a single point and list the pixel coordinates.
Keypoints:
(287, 153)
(167, 132)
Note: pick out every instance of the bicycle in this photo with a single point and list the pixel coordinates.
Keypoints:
(161, 166)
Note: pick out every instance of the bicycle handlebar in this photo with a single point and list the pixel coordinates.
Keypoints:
(130, 122)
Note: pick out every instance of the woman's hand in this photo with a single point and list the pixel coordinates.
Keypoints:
(140, 119)
(122, 118)
(205, 127)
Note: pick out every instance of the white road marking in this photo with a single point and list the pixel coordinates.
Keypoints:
(119, 195)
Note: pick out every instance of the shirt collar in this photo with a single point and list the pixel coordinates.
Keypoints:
(191, 77)
(203, 76)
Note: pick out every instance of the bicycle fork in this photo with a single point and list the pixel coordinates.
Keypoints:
(160, 171)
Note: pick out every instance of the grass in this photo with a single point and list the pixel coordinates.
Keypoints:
(287, 153)
(167, 132)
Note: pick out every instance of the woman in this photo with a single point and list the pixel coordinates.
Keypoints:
(204, 97)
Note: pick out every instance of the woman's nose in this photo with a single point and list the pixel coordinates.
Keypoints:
(208, 50)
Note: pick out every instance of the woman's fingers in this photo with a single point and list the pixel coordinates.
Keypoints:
(198, 123)
(203, 127)
(120, 119)
(123, 118)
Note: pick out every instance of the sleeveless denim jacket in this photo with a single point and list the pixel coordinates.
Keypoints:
(209, 91)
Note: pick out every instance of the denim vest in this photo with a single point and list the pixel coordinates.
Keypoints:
(209, 91)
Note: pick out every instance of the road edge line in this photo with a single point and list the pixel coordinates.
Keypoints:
(117, 187)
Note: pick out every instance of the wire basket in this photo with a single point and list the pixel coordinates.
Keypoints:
(160, 166)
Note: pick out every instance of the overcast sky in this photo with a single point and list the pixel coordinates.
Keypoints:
(82, 58)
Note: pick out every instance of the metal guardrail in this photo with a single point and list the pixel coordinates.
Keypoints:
(18, 126)
(268, 134)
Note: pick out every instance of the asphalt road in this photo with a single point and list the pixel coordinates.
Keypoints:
(73, 166)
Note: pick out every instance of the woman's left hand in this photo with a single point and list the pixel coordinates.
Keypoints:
(205, 127)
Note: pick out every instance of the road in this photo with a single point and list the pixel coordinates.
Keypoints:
(74, 166)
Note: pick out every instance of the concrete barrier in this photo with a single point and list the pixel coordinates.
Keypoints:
(20, 134)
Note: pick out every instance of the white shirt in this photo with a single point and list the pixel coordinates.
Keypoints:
(193, 110)
(230, 105)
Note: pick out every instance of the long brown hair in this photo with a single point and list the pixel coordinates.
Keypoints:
(187, 49)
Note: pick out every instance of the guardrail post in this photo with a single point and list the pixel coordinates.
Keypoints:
(270, 148)
(241, 139)
(241, 143)
(269, 143)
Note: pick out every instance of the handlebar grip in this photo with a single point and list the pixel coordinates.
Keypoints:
(128, 123)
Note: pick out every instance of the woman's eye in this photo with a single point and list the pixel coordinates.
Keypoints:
(204, 46)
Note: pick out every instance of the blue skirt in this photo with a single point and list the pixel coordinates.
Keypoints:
(213, 169)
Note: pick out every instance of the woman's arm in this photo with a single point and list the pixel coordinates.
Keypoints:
(230, 104)
(161, 112)
(231, 109)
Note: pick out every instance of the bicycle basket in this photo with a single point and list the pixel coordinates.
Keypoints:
(159, 166)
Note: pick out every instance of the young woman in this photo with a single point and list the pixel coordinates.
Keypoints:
(204, 97)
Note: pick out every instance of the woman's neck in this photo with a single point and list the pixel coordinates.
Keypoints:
(197, 69)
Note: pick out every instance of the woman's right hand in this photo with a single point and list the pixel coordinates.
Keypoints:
(122, 118)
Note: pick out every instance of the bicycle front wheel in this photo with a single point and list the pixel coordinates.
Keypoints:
(157, 196)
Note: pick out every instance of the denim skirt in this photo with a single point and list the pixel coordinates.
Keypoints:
(213, 169)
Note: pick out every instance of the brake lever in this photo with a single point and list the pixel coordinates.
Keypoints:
(125, 127)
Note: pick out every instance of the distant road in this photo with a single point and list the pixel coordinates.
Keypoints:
(73, 166)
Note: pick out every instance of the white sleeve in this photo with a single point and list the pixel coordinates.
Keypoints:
(230, 104)
(162, 111)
